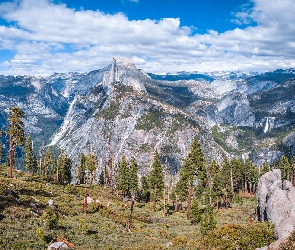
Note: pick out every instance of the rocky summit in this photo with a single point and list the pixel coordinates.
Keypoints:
(121, 110)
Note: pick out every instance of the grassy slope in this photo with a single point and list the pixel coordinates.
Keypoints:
(106, 227)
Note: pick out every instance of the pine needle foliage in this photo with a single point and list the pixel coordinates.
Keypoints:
(156, 178)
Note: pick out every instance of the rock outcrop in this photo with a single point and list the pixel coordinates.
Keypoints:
(276, 203)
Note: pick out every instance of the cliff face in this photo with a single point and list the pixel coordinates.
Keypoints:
(121, 110)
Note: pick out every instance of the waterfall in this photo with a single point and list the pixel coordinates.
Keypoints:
(266, 128)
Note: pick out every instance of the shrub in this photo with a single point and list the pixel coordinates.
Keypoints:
(93, 207)
(233, 236)
(40, 234)
(83, 227)
(2, 188)
(50, 219)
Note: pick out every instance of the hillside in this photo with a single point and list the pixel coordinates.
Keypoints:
(105, 224)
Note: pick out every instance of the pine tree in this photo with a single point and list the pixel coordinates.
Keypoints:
(47, 164)
(196, 212)
(145, 189)
(226, 180)
(285, 167)
(64, 165)
(101, 178)
(122, 179)
(265, 168)
(156, 178)
(133, 178)
(29, 155)
(208, 221)
(34, 165)
(82, 169)
(192, 170)
(16, 132)
(91, 165)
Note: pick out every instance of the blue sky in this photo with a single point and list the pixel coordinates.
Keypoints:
(40, 37)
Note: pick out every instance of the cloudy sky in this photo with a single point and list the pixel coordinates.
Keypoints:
(39, 37)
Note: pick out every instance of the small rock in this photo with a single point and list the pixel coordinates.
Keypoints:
(89, 200)
(57, 246)
(50, 202)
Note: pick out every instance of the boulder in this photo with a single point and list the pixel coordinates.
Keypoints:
(276, 203)
(285, 228)
(57, 246)
(278, 206)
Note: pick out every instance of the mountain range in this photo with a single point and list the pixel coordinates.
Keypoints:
(121, 110)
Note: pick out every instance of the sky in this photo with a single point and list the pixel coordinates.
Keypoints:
(40, 37)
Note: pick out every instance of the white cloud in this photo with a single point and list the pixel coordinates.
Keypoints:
(50, 38)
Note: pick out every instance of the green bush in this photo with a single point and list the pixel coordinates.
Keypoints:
(50, 219)
(233, 236)
(93, 207)
(2, 189)
(83, 227)
(40, 234)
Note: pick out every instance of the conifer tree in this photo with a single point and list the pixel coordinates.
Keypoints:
(34, 165)
(193, 169)
(16, 132)
(101, 178)
(29, 155)
(122, 179)
(265, 168)
(91, 164)
(156, 179)
(226, 180)
(285, 168)
(196, 212)
(47, 164)
(133, 178)
(145, 189)
(208, 221)
(82, 169)
(64, 165)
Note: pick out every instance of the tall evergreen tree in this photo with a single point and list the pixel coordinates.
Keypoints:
(208, 221)
(285, 168)
(156, 179)
(91, 165)
(64, 165)
(82, 169)
(47, 164)
(122, 178)
(133, 178)
(264, 168)
(145, 189)
(34, 165)
(29, 155)
(16, 132)
(196, 212)
(193, 170)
